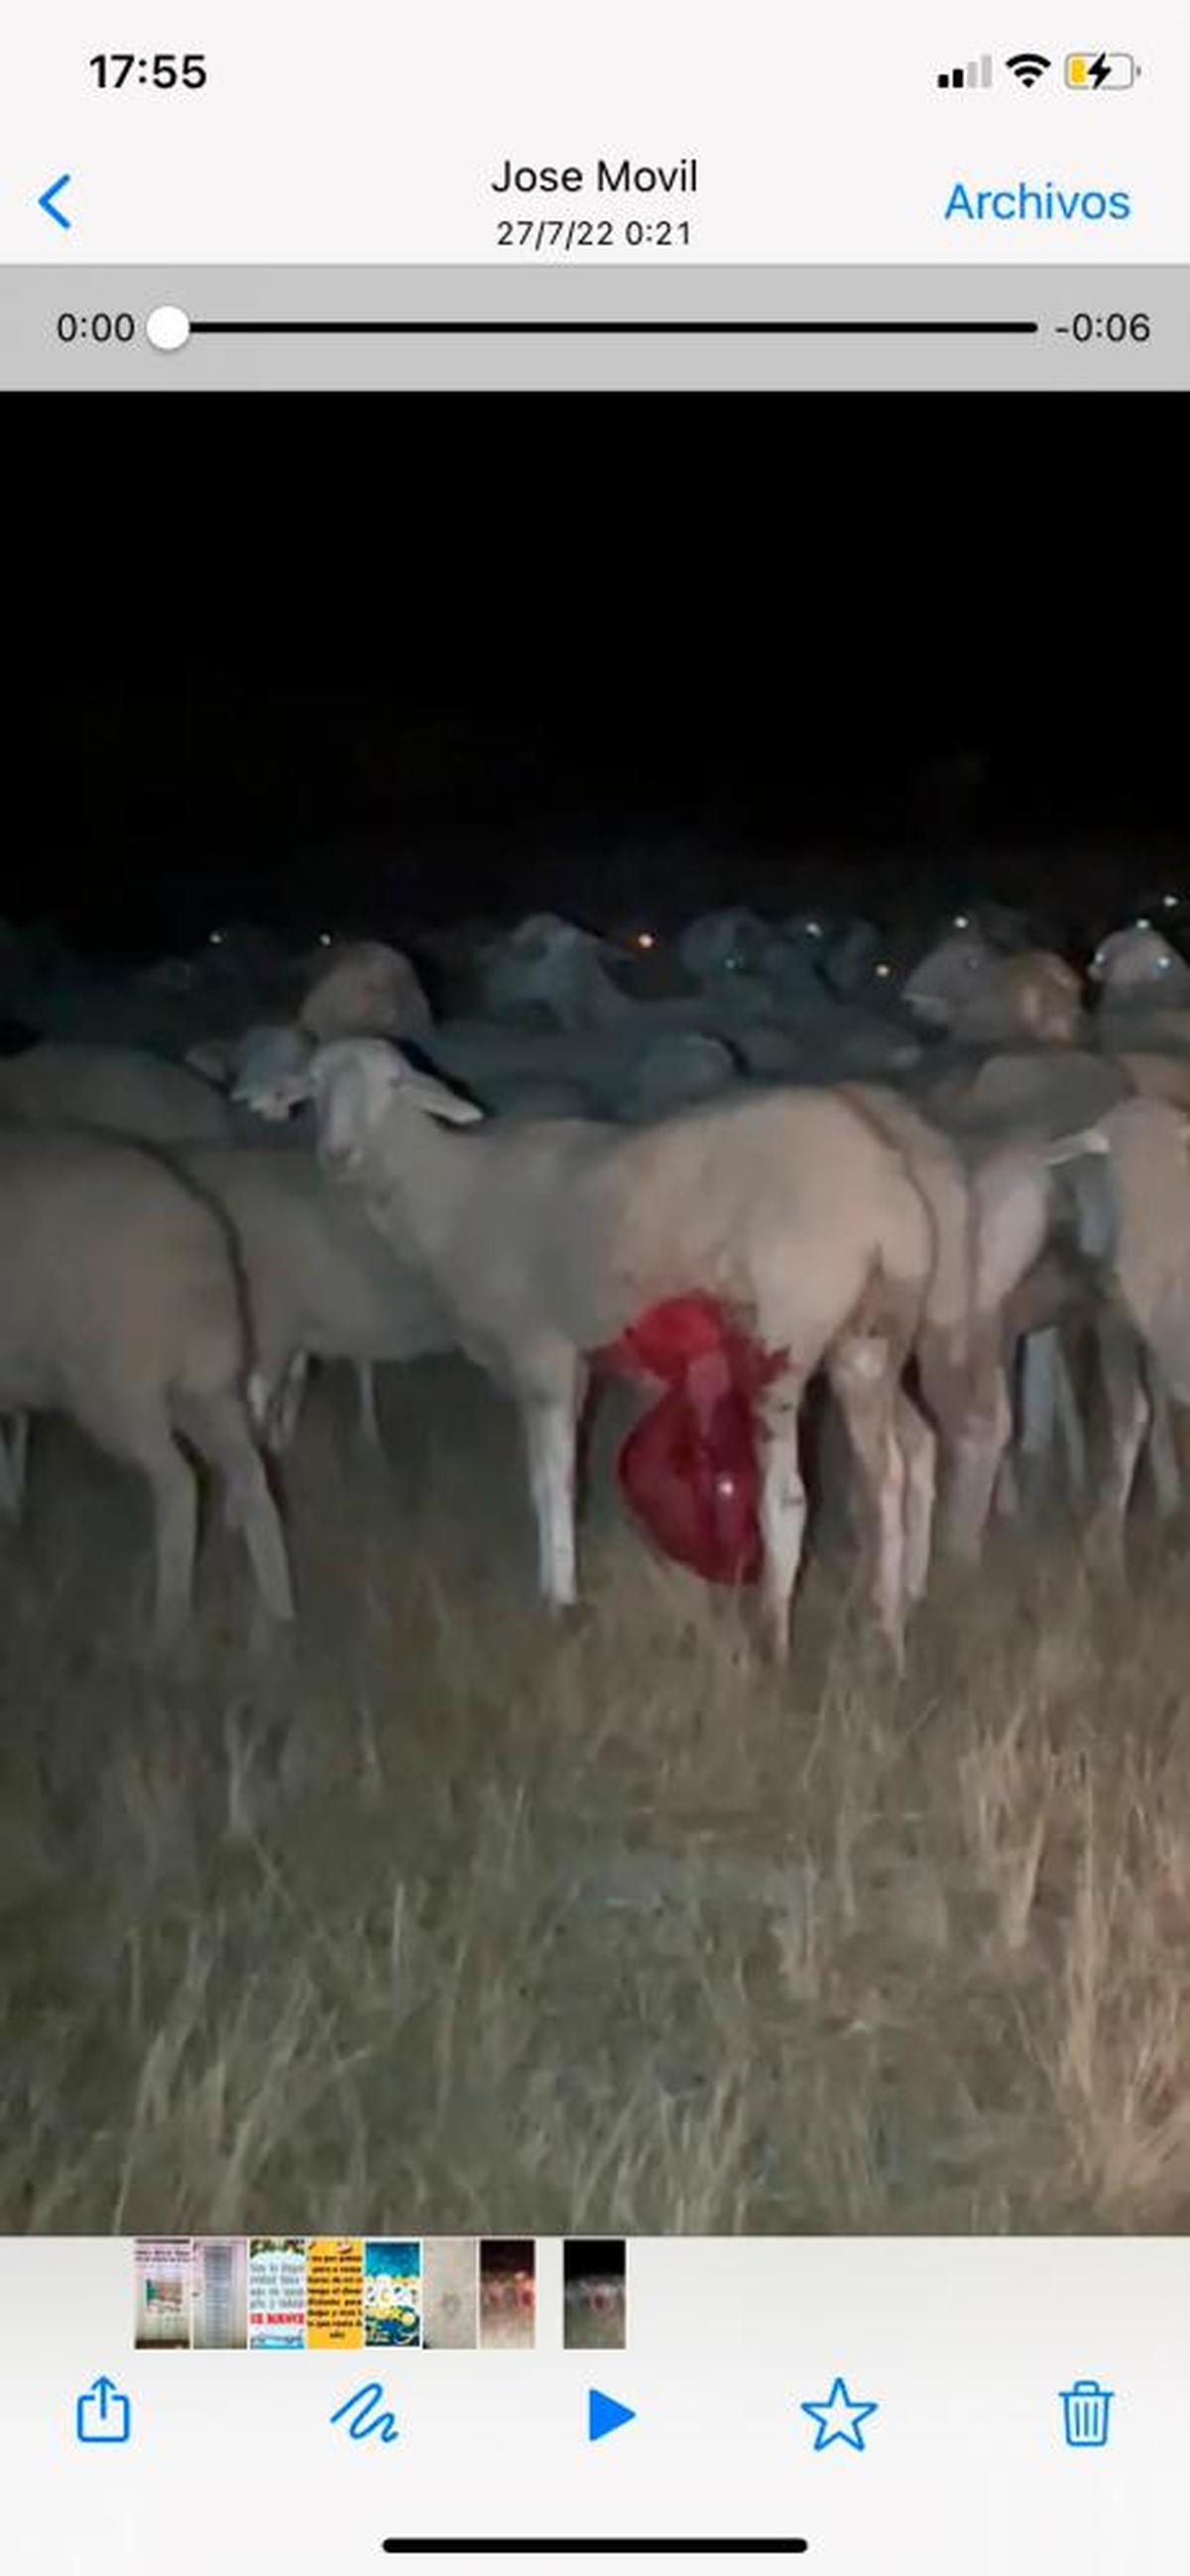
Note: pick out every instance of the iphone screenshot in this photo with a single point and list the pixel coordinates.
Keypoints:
(594, 1289)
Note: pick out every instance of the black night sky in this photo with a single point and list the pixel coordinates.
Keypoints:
(598, 655)
(178, 805)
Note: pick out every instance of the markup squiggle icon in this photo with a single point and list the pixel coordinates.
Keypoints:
(361, 2405)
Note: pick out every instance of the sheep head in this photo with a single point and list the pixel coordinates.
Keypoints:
(261, 1067)
(355, 1085)
(1137, 960)
(958, 967)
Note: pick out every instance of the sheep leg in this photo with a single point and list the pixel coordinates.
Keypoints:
(1039, 1392)
(175, 1500)
(14, 1452)
(919, 1448)
(551, 1427)
(1070, 1423)
(976, 1453)
(865, 1376)
(782, 1507)
(594, 1390)
(1162, 1453)
(369, 1426)
(219, 1429)
(136, 1430)
(1128, 1417)
(285, 1401)
(1007, 1496)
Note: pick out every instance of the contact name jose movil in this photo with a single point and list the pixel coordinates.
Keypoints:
(611, 178)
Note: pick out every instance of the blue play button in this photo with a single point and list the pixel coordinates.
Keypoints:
(605, 2414)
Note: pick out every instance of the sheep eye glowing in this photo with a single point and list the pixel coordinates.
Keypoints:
(962, 921)
(645, 939)
(883, 968)
(1142, 922)
(1170, 902)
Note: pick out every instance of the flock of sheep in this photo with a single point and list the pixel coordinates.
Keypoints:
(956, 1186)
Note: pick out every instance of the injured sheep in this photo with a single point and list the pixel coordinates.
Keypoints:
(545, 1241)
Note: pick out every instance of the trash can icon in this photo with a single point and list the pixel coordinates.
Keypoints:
(1085, 2410)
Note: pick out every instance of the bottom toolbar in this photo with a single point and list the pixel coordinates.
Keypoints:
(926, 2403)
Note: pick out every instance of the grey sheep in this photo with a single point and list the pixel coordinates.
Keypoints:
(121, 1089)
(320, 1281)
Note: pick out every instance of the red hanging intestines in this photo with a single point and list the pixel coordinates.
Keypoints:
(688, 1470)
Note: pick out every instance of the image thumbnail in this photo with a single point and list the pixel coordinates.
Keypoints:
(163, 2285)
(276, 2293)
(334, 2293)
(507, 2293)
(220, 2314)
(450, 2293)
(594, 2273)
(392, 2290)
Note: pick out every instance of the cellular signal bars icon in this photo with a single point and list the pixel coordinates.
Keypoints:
(968, 75)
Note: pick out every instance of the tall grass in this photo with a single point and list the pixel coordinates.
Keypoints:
(442, 1916)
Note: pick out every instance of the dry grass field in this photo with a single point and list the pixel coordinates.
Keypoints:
(441, 1917)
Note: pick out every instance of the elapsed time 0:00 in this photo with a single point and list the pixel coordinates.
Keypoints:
(96, 326)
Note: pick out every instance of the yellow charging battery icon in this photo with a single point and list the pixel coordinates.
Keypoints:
(1101, 71)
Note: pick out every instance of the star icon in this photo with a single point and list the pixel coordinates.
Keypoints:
(839, 2417)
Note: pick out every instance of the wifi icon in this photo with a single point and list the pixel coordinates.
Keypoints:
(1027, 68)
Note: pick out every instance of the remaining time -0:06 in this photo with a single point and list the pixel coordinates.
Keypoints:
(1116, 327)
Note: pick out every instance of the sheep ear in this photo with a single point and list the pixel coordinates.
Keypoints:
(426, 1092)
(1071, 1148)
(214, 1057)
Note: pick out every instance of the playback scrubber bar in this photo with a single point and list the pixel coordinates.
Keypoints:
(622, 330)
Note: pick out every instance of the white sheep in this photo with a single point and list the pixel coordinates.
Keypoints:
(365, 989)
(1016, 1117)
(992, 1203)
(121, 1089)
(119, 1306)
(1003, 1110)
(545, 1241)
(1144, 1265)
(321, 1282)
(978, 996)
